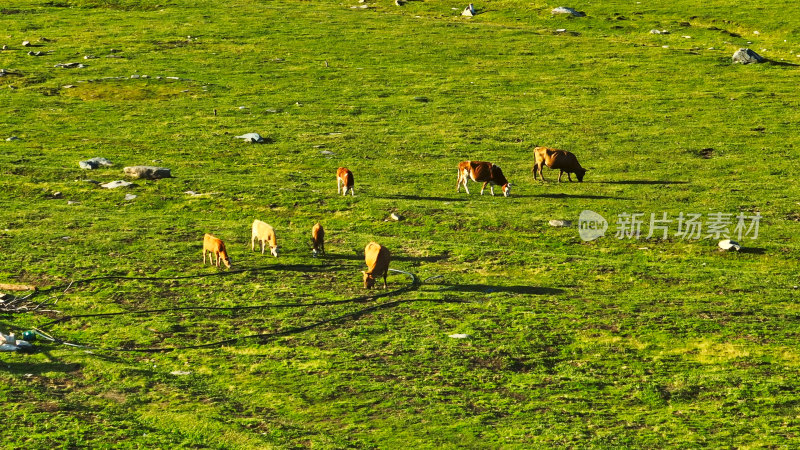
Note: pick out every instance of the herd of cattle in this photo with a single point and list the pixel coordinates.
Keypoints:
(375, 255)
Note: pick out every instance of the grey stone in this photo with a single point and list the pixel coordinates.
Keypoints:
(747, 56)
(94, 163)
(147, 172)
(560, 223)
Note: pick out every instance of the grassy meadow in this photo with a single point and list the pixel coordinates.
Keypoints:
(617, 342)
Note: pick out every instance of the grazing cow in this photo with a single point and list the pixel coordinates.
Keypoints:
(377, 258)
(265, 234)
(344, 179)
(318, 239)
(215, 247)
(482, 171)
(557, 159)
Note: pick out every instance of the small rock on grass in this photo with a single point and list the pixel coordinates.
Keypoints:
(729, 245)
(116, 184)
(147, 172)
(94, 163)
(747, 56)
(560, 223)
(458, 336)
(130, 196)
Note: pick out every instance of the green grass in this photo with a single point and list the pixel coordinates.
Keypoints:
(614, 343)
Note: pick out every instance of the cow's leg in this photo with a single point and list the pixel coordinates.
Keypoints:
(204, 257)
(338, 185)
(491, 188)
(262, 245)
(533, 171)
(385, 286)
(484, 187)
(352, 191)
(569, 177)
(561, 172)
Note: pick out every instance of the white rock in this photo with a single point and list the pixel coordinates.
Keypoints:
(116, 184)
(252, 138)
(394, 217)
(130, 196)
(565, 10)
(729, 245)
(458, 336)
(180, 372)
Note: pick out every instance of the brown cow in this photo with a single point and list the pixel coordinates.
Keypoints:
(482, 171)
(215, 247)
(318, 239)
(377, 258)
(557, 159)
(344, 179)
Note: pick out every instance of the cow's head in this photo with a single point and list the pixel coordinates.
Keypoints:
(274, 251)
(227, 260)
(369, 280)
(580, 173)
(507, 189)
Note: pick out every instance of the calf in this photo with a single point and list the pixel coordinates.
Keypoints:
(377, 258)
(265, 234)
(215, 247)
(318, 239)
(557, 159)
(344, 181)
(482, 171)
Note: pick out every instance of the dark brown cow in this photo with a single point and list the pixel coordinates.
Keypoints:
(556, 159)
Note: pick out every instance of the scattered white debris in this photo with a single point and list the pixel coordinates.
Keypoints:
(458, 336)
(655, 31)
(12, 138)
(561, 30)
(180, 372)
(26, 43)
(130, 196)
(756, 33)
(394, 217)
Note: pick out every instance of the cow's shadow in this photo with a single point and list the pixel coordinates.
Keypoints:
(642, 182)
(419, 197)
(568, 196)
(359, 256)
(488, 289)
